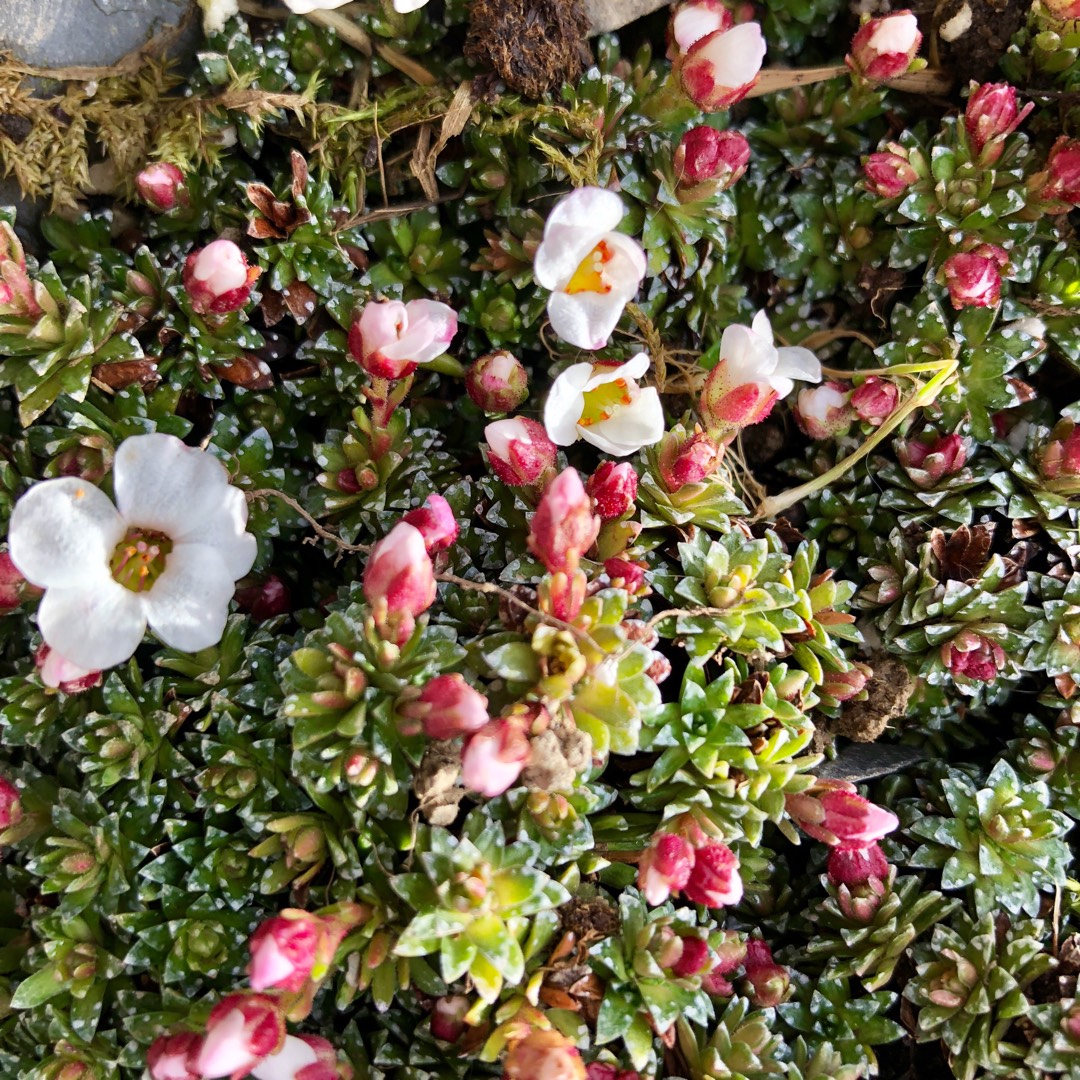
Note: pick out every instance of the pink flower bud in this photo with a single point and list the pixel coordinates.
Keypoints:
(1062, 184)
(564, 526)
(927, 461)
(613, 489)
(11, 811)
(767, 981)
(875, 400)
(884, 48)
(446, 708)
(436, 523)
(1060, 457)
(161, 186)
(845, 685)
(388, 339)
(688, 462)
(15, 590)
(972, 656)
(694, 20)
(544, 1055)
(627, 575)
(725, 406)
(706, 154)
(561, 594)
(693, 959)
(175, 1057)
(325, 1066)
(823, 411)
(494, 757)
(665, 867)
(16, 288)
(59, 673)
(218, 279)
(519, 451)
(888, 175)
(714, 880)
(722, 67)
(241, 1030)
(1063, 9)
(497, 383)
(266, 600)
(992, 113)
(973, 280)
(855, 864)
(834, 813)
(399, 580)
(283, 951)
(448, 1018)
(731, 953)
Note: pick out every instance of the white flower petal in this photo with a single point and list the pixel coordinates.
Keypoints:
(164, 485)
(225, 531)
(735, 54)
(585, 319)
(782, 385)
(693, 22)
(634, 368)
(630, 428)
(440, 321)
(188, 605)
(762, 327)
(749, 355)
(574, 227)
(795, 362)
(294, 1055)
(628, 266)
(63, 530)
(895, 33)
(97, 624)
(564, 404)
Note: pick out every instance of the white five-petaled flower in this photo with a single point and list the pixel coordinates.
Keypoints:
(168, 553)
(591, 270)
(603, 404)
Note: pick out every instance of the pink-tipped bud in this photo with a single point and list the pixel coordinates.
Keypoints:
(687, 462)
(693, 959)
(665, 867)
(399, 581)
(694, 20)
(59, 673)
(448, 1017)
(627, 575)
(973, 278)
(388, 339)
(767, 982)
(722, 67)
(972, 656)
(714, 880)
(1060, 457)
(497, 382)
(1063, 9)
(613, 489)
(992, 114)
(324, 1067)
(834, 813)
(493, 758)
(445, 708)
(926, 461)
(855, 864)
(544, 1055)
(218, 279)
(266, 600)
(564, 526)
(823, 411)
(884, 48)
(845, 685)
(705, 154)
(241, 1030)
(161, 186)
(520, 452)
(283, 951)
(436, 523)
(15, 590)
(175, 1057)
(875, 400)
(1062, 186)
(725, 404)
(11, 811)
(888, 174)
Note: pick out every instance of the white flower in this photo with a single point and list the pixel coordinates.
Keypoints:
(592, 270)
(294, 1055)
(603, 404)
(167, 554)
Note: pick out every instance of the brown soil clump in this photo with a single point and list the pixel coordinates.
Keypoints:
(887, 697)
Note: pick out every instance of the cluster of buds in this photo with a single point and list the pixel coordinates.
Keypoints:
(885, 48)
(824, 411)
(716, 61)
(218, 279)
(929, 458)
(161, 186)
(861, 876)
(520, 452)
(399, 582)
(992, 115)
(497, 382)
(875, 400)
(973, 278)
(888, 172)
(707, 161)
(683, 858)
(389, 339)
(1059, 459)
(972, 656)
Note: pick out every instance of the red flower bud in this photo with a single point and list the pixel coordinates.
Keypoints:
(875, 400)
(544, 1055)
(927, 461)
(448, 1018)
(705, 154)
(992, 114)
(436, 523)
(283, 951)
(833, 812)
(1063, 9)
(884, 48)
(175, 1057)
(722, 67)
(161, 186)
(1062, 185)
(446, 708)
(241, 1030)
(972, 656)
(564, 526)
(218, 279)
(399, 581)
(497, 383)
(14, 588)
(665, 867)
(845, 685)
(888, 175)
(266, 600)
(714, 880)
(519, 451)
(823, 411)
(767, 982)
(1060, 457)
(613, 489)
(688, 462)
(59, 673)
(494, 757)
(973, 280)
(11, 811)
(693, 959)
(854, 864)
(627, 575)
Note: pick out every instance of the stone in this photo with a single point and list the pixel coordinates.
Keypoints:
(608, 15)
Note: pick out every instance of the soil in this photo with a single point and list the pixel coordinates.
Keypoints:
(968, 36)
(887, 697)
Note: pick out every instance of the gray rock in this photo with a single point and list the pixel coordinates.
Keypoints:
(607, 15)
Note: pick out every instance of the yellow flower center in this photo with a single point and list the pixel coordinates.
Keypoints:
(140, 558)
(605, 401)
(589, 276)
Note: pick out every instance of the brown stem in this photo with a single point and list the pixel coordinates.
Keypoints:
(928, 81)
